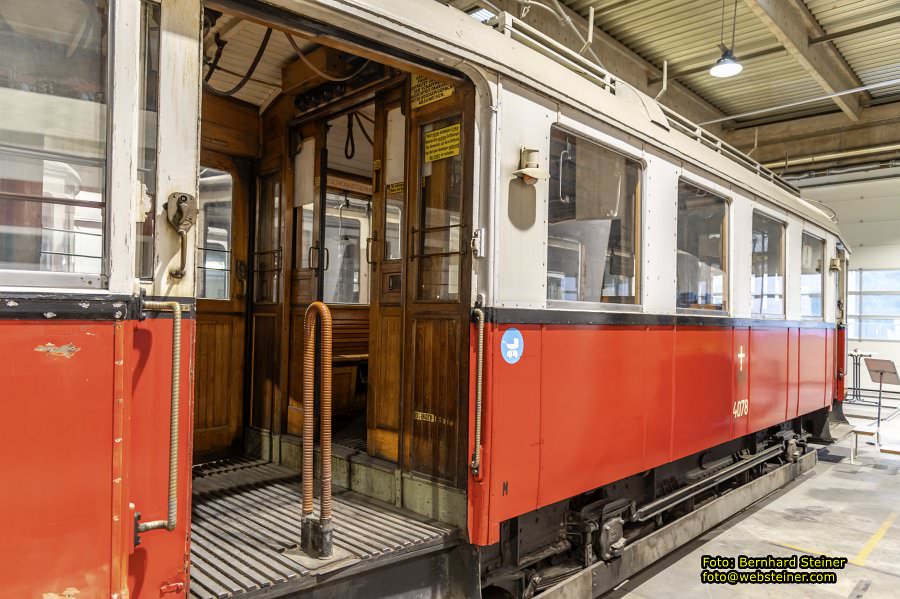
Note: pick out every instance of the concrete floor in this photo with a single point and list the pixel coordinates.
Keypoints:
(839, 509)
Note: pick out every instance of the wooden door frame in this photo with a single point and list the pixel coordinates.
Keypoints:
(463, 105)
(380, 299)
(237, 304)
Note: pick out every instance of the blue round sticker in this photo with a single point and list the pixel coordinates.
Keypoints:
(512, 346)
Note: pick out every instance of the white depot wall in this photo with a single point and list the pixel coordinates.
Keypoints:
(869, 218)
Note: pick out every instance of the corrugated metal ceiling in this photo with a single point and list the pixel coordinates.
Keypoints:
(687, 33)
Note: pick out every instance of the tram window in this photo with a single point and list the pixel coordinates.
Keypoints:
(214, 234)
(592, 235)
(146, 169)
(767, 266)
(267, 250)
(347, 225)
(441, 196)
(395, 192)
(812, 263)
(53, 94)
(702, 262)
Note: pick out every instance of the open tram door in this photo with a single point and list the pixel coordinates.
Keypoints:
(438, 273)
(383, 243)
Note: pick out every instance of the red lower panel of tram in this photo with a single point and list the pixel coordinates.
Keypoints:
(584, 406)
(86, 407)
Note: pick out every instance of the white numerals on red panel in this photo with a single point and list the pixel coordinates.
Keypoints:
(741, 408)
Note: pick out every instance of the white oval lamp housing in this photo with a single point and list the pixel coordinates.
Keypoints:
(726, 66)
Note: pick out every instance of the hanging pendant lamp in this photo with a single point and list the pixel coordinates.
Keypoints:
(727, 65)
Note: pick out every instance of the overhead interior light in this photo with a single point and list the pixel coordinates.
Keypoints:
(727, 65)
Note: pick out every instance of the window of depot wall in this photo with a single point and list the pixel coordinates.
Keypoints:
(53, 130)
(592, 243)
(873, 305)
(702, 256)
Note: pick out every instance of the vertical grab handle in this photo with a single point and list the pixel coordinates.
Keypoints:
(172, 520)
(316, 537)
(479, 379)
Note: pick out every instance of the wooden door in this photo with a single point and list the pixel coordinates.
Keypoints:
(437, 293)
(385, 255)
(221, 304)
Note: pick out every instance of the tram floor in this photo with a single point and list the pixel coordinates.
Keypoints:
(246, 519)
(838, 510)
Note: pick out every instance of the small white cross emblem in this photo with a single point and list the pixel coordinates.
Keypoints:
(741, 355)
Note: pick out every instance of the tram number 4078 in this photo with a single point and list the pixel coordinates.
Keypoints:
(741, 408)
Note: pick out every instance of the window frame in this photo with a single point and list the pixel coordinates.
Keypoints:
(824, 242)
(784, 270)
(858, 316)
(637, 305)
(47, 280)
(726, 248)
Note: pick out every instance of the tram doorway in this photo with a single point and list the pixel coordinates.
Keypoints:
(349, 186)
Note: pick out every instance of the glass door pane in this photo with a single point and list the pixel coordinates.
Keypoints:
(438, 235)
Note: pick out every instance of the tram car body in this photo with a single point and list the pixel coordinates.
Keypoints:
(556, 304)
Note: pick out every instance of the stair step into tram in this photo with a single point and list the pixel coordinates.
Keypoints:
(246, 516)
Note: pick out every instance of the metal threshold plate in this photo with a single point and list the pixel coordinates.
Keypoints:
(246, 519)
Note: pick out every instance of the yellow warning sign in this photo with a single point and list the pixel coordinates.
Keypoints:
(395, 188)
(424, 91)
(442, 143)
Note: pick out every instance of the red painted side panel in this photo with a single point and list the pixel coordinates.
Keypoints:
(840, 364)
(56, 504)
(589, 405)
(703, 388)
(768, 377)
(162, 556)
(812, 369)
(592, 407)
(742, 372)
(658, 379)
(793, 390)
(515, 460)
(829, 366)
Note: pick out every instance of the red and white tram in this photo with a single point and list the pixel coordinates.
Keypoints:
(562, 318)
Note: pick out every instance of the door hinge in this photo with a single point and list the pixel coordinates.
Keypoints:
(477, 243)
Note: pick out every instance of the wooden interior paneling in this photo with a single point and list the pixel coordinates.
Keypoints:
(385, 385)
(350, 326)
(434, 404)
(229, 126)
(265, 368)
(219, 388)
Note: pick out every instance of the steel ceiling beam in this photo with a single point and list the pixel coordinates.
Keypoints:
(793, 25)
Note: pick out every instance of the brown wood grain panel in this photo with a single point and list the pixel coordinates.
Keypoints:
(266, 375)
(229, 126)
(218, 390)
(434, 401)
(385, 384)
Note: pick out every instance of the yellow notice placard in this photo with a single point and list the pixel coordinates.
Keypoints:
(395, 188)
(442, 143)
(424, 91)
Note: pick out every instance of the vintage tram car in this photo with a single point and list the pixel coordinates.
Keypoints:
(563, 317)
